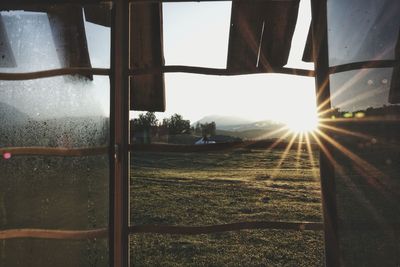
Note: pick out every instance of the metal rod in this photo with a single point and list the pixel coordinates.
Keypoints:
(327, 174)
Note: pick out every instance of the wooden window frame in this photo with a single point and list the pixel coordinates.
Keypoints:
(119, 72)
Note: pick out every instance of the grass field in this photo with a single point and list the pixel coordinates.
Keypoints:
(193, 189)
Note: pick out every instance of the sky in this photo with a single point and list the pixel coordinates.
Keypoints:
(196, 34)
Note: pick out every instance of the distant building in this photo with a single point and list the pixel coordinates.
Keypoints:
(204, 141)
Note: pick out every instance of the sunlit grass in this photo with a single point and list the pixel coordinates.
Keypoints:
(225, 187)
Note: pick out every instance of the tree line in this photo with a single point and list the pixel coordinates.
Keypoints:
(174, 125)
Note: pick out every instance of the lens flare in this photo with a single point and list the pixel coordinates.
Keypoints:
(6, 155)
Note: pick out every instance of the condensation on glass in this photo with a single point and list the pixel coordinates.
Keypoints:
(53, 192)
(362, 30)
(364, 130)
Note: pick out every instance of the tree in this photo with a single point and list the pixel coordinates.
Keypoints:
(208, 129)
(197, 129)
(141, 126)
(145, 121)
(177, 125)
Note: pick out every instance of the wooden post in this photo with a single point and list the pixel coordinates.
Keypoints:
(328, 188)
(119, 113)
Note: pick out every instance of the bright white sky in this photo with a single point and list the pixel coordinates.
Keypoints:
(196, 34)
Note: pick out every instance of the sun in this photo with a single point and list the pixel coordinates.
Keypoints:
(302, 123)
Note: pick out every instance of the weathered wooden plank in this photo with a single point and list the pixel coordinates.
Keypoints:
(67, 27)
(54, 151)
(98, 14)
(52, 73)
(146, 51)
(7, 59)
(53, 234)
(261, 34)
(394, 93)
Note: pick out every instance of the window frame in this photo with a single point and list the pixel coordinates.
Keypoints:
(119, 148)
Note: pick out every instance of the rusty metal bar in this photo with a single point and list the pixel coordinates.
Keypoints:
(53, 234)
(55, 151)
(198, 230)
(51, 73)
(328, 188)
(119, 209)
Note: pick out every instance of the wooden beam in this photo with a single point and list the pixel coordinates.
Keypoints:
(146, 48)
(53, 234)
(119, 136)
(7, 59)
(69, 36)
(327, 174)
(52, 73)
(222, 72)
(54, 151)
(261, 34)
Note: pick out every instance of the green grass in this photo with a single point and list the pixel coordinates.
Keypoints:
(194, 189)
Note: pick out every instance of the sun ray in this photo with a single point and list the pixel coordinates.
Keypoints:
(365, 119)
(360, 74)
(299, 147)
(311, 156)
(270, 134)
(361, 97)
(347, 132)
(374, 176)
(284, 154)
(349, 183)
(277, 142)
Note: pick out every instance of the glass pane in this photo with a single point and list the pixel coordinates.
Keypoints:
(361, 30)
(65, 36)
(54, 139)
(364, 132)
(54, 192)
(227, 150)
(196, 34)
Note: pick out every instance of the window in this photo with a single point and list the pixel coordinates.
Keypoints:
(54, 138)
(71, 73)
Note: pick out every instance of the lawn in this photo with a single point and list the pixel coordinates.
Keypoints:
(193, 189)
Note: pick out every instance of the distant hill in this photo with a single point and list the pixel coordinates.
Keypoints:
(19, 129)
(253, 134)
(223, 122)
(10, 115)
(242, 128)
